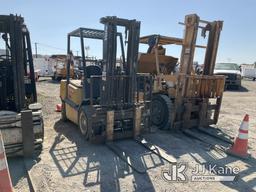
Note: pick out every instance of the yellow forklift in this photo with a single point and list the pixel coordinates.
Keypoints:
(111, 101)
(181, 98)
(59, 63)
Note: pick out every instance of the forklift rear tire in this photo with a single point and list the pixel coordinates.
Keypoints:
(83, 123)
(161, 111)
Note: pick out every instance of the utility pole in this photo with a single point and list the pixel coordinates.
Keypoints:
(36, 49)
(87, 48)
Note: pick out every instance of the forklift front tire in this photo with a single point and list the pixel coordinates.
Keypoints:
(83, 123)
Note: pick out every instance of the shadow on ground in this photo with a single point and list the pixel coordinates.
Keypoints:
(202, 153)
(75, 156)
(100, 166)
(234, 89)
(16, 168)
(47, 80)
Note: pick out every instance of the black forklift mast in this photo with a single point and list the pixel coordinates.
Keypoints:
(17, 70)
(18, 90)
(132, 28)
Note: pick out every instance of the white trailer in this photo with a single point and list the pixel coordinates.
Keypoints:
(43, 67)
(249, 71)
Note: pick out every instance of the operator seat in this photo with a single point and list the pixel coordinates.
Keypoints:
(92, 70)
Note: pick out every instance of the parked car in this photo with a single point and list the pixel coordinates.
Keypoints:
(232, 73)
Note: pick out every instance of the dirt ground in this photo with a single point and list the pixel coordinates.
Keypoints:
(69, 163)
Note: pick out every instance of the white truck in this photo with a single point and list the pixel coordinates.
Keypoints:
(232, 73)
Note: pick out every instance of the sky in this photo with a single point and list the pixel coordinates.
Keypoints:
(49, 21)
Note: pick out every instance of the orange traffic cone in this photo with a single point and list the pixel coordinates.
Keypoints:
(5, 180)
(240, 146)
(58, 108)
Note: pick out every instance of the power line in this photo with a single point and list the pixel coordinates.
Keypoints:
(50, 46)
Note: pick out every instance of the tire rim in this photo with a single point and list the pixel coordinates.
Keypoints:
(83, 123)
(157, 112)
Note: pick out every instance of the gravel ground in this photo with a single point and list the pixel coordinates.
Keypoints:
(69, 163)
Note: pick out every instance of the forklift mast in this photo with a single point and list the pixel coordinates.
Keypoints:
(209, 86)
(18, 90)
(132, 28)
(192, 24)
(17, 80)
